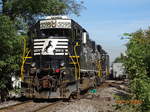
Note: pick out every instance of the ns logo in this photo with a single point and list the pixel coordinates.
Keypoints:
(48, 46)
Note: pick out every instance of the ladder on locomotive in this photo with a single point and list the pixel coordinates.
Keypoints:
(75, 62)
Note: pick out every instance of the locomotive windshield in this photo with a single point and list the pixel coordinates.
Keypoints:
(45, 33)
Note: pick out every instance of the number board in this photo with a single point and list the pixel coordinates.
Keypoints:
(45, 24)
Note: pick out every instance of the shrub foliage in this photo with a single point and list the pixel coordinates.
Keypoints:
(137, 64)
(9, 53)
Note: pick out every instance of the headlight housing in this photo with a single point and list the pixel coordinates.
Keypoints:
(33, 64)
(62, 64)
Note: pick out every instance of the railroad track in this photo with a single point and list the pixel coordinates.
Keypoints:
(13, 106)
(30, 106)
(47, 107)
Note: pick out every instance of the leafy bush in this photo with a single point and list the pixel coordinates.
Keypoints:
(9, 53)
(137, 64)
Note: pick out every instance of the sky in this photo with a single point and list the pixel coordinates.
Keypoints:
(107, 20)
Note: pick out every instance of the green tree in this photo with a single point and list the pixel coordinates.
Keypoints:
(10, 53)
(28, 9)
(137, 64)
(119, 59)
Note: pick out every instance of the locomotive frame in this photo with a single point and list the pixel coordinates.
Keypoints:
(60, 60)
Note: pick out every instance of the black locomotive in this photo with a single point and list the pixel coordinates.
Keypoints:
(61, 60)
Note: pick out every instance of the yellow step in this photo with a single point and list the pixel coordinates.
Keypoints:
(74, 56)
(73, 63)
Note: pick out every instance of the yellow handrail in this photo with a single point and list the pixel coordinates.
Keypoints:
(99, 68)
(22, 67)
(77, 70)
(74, 65)
(75, 51)
(24, 58)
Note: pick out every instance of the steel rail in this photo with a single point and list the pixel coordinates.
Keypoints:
(12, 106)
(46, 106)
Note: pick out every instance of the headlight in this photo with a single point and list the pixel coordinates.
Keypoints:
(33, 64)
(62, 64)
